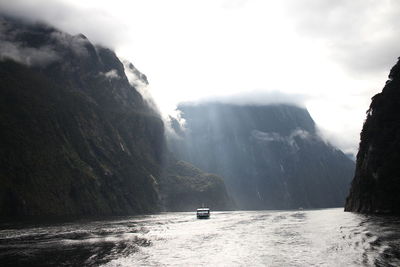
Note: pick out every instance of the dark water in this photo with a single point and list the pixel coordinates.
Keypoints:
(327, 237)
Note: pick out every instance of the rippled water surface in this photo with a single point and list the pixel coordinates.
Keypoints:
(327, 237)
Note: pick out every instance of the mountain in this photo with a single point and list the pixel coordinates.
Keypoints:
(376, 184)
(76, 137)
(270, 157)
(185, 188)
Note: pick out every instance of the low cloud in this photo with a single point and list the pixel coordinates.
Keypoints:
(112, 74)
(74, 42)
(259, 98)
(139, 81)
(267, 137)
(14, 44)
(319, 49)
(135, 77)
(12, 49)
(346, 144)
(28, 56)
(100, 26)
(290, 140)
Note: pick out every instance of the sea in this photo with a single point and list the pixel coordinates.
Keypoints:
(324, 237)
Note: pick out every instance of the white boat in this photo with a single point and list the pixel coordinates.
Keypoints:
(203, 213)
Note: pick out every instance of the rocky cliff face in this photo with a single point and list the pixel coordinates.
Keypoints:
(76, 137)
(184, 187)
(376, 185)
(270, 156)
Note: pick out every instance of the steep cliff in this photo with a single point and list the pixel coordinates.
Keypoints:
(76, 137)
(184, 187)
(270, 156)
(376, 184)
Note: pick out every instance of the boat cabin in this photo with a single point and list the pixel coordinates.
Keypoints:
(203, 213)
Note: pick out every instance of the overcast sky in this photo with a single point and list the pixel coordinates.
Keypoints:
(330, 55)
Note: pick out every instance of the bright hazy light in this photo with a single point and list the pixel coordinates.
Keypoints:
(336, 54)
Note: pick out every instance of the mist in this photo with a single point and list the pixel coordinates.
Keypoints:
(215, 132)
(256, 98)
(328, 56)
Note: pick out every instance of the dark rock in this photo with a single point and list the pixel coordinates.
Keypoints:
(376, 184)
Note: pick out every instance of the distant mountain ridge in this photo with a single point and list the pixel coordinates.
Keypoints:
(271, 156)
(76, 137)
(376, 184)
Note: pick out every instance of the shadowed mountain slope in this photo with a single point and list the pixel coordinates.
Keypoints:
(270, 156)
